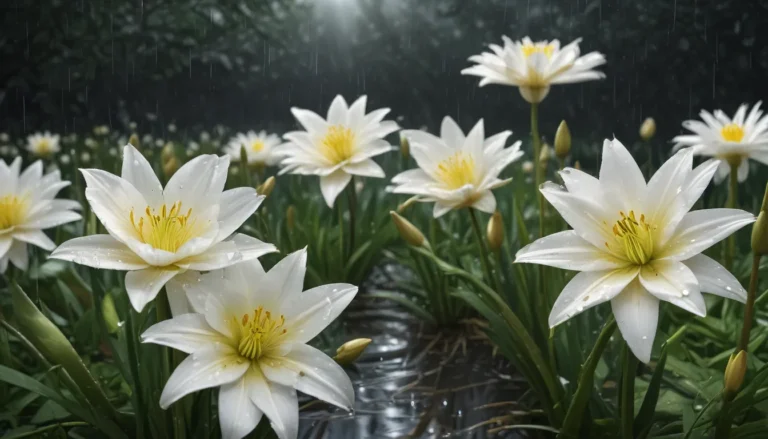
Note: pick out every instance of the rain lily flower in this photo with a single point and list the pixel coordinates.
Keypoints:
(455, 170)
(247, 334)
(734, 141)
(155, 233)
(338, 147)
(43, 144)
(27, 207)
(259, 147)
(534, 66)
(636, 243)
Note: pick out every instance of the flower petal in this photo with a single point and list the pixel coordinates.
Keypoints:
(486, 203)
(35, 237)
(238, 416)
(143, 285)
(587, 216)
(286, 278)
(366, 168)
(666, 203)
(235, 207)
(587, 289)
(18, 255)
(332, 185)
(701, 229)
(204, 369)
(569, 251)
(619, 172)
(187, 333)
(278, 402)
(46, 220)
(637, 315)
(715, 279)
(311, 311)
(138, 172)
(99, 251)
(675, 283)
(311, 121)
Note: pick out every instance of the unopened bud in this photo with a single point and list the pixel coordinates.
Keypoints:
(734, 374)
(405, 147)
(170, 167)
(110, 314)
(545, 154)
(760, 229)
(408, 203)
(577, 165)
(562, 141)
(168, 152)
(350, 351)
(495, 232)
(648, 129)
(134, 140)
(408, 231)
(290, 218)
(266, 187)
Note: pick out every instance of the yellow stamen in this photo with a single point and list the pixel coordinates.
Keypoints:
(338, 144)
(13, 210)
(546, 49)
(732, 133)
(260, 334)
(457, 170)
(257, 146)
(633, 238)
(167, 229)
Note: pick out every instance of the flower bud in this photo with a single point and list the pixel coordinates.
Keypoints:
(266, 187)
(170, 167)
(408, 231)
(134, 140)
(734, 374)
(350, 351)
(545, 154)
(562, 141)
(290, 218)
(760, 229)
(405, 147)
(109, 313)
(495, 232)
(648, 129)
(408, 203)
(577, 165)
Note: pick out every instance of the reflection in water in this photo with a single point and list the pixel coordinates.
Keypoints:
(412, 381)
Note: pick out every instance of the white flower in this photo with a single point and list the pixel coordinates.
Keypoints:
(27, 207)
(171, 128)
(339, 146)
(157, 233)
(204, 136)
(132, 125)
(533, 67)
(159, 143)
(193, 146)
(91, 143)
(635, 243)
(456, 170)
(4, 137)
(260, 147)
(247, 334)
(43, 144)
(101, 130)
(731, 140)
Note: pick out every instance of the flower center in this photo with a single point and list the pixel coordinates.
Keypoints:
(732, 132)
(338, 144)
(546, 49)
(12, 211)
(165, 229)
(260, 333)
(257, 146)
(457, 170)
(634, 238)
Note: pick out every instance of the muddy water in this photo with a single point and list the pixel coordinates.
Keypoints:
(414, 381)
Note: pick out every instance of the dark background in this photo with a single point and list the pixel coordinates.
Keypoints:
(66, 65)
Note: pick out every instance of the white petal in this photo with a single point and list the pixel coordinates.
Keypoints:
(666, 203)
(198, 184)
(286, 279)
(311, 311)
(138, 172)
(441, 209)
(486, 203)
(235, 207)
(312, 372)
(111, 199)
(30, 177)
(238, 416)
(6, 241)
(207, 368)
(143, 285)
(52, 219)
(250, 248)
(332, 185)
(588, 216)
(587, 289)
(637, 315)
(675, 283)
(619, 172)
(337, 112)
(701, 229)
(18, 255)
(99, 251)
(177, 296)
(579, 182)
(187, 333)
(366, 168)
(569, 251)
(311, 121)
(451, 134)
(35, 237)
(743, 170)
(715, 279)
(278, 402)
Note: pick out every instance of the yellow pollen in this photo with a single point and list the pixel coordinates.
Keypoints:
(732, 132)
(259, 334)
(166, 229)
(257, 146)
(457, 170)
(546, 49)
(633, 238)
(338, 144)
(13, 210)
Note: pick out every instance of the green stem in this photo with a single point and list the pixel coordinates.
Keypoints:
(244, 167)
(352, 201)
(580, 400)
(733, 195)
(341, 231)
(163, 312)
(536, 138)
(749, 308)
(133, 364)
(627, 395)
(481, 245)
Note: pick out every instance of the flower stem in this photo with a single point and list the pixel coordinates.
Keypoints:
(580, 400)
(537, 170)
(481, 246)
(749, 308)
(341, 231)
(627, 395)
(733, 195)
(163, 312)
(352, 201)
